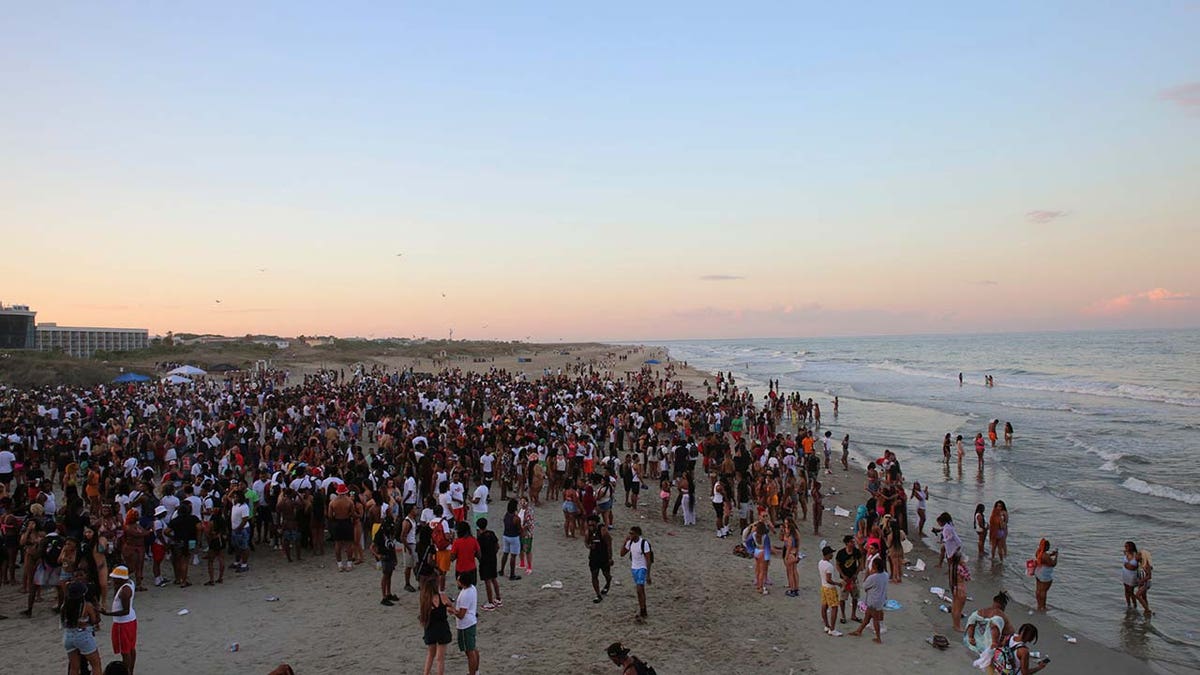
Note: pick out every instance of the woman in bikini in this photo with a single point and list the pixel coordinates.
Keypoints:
(791, 557)
(998, 530)
(759, 544)
(570, 508)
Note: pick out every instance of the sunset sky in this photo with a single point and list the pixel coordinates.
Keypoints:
(618, 171)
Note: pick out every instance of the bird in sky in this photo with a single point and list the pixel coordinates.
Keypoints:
(218, 302)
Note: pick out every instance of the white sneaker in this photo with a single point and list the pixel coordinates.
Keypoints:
(835, 633)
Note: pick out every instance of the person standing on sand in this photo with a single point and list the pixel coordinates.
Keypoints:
(528, 524)
(641, 559)
(465, 618)
(846, 452)
(1045, 561)
(239, 524)
(288, 509)
(489, 547)
(848, 561)
(875, 586)
(383, 546)
(218, 539)
(600, 560)
(791, 557)
(953, 552)
(434, 619)
(124, 618)
(341, 529)
(510, 547)
(829, 592)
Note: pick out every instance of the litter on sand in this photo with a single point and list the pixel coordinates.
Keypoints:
(840, 512)
(183, 612)
(556, 585)
(937, 590)
(1069, 639)
(918, 566)
(272, 598)
(893, 605)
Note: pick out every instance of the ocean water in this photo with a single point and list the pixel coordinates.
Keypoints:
(1106, 449)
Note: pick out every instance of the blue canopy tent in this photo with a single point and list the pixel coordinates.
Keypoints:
(654, 361)
(131, 377)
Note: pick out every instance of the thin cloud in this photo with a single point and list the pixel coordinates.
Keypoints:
(1186, 96)
(1133, 301)
(1041, 217)
(986, 282)
(721, 277)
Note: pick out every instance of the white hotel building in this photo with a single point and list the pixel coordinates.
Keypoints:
(82, 342)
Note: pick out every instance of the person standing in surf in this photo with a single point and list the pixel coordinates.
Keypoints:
(1045, 561)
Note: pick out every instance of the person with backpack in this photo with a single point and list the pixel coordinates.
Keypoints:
(46, 569)
(630, 664)
(1013, 657)
(641, 559)
(439, 539)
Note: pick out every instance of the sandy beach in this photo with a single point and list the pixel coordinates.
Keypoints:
(705, 616)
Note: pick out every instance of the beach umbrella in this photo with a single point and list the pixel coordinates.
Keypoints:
(131, 377)
(176, 379)
(186, 370)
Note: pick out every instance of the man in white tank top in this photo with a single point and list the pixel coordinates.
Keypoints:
(124, 618)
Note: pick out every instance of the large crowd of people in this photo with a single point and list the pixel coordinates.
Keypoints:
(112, 489)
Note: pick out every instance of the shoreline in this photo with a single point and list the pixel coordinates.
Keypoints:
(1087, 654)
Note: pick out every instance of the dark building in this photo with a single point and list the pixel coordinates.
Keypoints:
(17, 327)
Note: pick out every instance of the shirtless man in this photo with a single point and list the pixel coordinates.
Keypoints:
(288, 509)
(341, 526)
(600, 559)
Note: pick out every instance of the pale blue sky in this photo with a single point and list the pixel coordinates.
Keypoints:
(539, 157)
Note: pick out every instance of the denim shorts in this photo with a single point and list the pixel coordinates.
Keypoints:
(241, 539)
(79, 640)
(510, 545)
